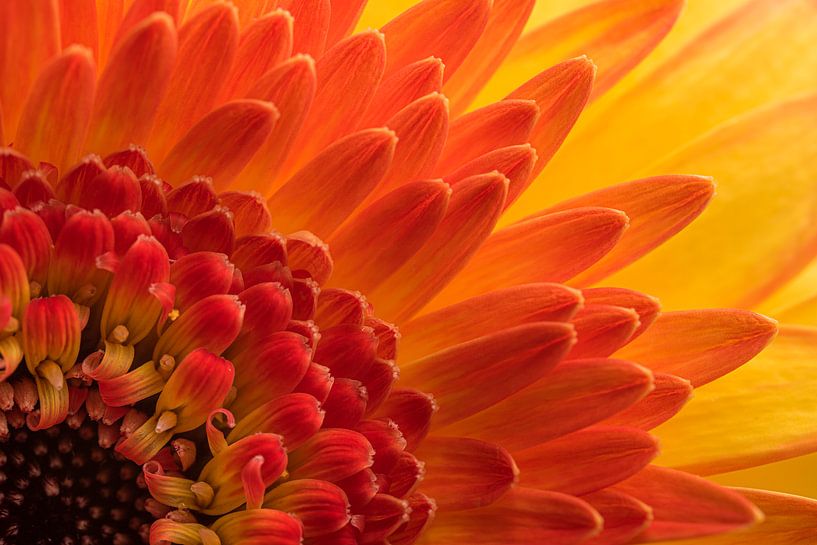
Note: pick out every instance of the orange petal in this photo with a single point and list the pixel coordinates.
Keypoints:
(573, 396)
(291, 87)
(752, 218)
(520, 517)
(646, 306)
(465, 473)
(671, 393)
(403, 87)
(514, 162)
(586, 460)
(505, 25)
(566, 243)
(561, 93)
(78, 24)
(447, 29)
(719, 431)
(473, 376)
(472, 212)
(701, 345)
(602, 329)
(786, 519)
(222, 143)
(141, 9)
(480, 316)
(325, 191)
(422, 129)
(616, 35)
(504, 123)
(207, 47)
(658, 208)
(385, 235)
(268, 526)
(58, 109)
(108, 17)
(624, 517)
(263, 44)
(312, 22)
(347, 77)
(30, 37)
(120, 115)
(345, 14)
(686, 506)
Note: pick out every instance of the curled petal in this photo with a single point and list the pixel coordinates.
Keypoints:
(223, 472)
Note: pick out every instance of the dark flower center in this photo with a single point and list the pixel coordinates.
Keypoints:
(58, 486)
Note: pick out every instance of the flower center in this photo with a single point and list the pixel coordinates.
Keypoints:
(58, 486)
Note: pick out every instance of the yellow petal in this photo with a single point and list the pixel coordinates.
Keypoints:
(719, 430)
(761, 209)
(709, 81)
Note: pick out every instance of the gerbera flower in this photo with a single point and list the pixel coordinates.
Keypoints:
(184, 360)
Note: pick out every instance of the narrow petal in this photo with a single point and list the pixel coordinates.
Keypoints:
(403, 87)
(561, 92)
(205, 150)
(268, 526)
(514, 162)
(474, 375)
(701, 345)
(616, 35)
(504, 123)
(121, 116)
(472, 213)
(687, 506)
(782, 229)
(505, 25)
(207, 47)
(574, 395)
(602, 329)
(322, 507)
(566, 243)
(776, 384)
(262, 45)
(447, 29)
(347, 77)
(345, 14)
(658, 208)
(291, 87)
(312, 22)
(520, 517)
(385, 235)
(671, 393)
(58, 109)
(26, 48)
(624, 517)
(587, 460)
(422, 130)
(646, 306)
(465, 473)
(786, 519)
(325, 191)
(480, 315)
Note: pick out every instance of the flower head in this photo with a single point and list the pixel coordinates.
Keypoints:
(255, 286)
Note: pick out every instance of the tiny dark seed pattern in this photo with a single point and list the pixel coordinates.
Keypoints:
(57, 486)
